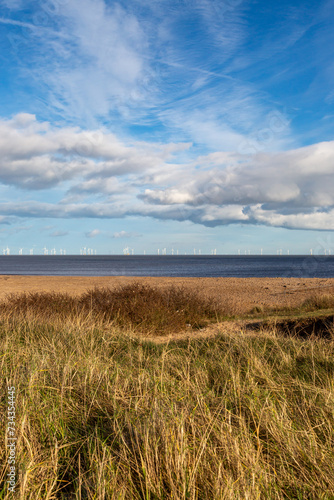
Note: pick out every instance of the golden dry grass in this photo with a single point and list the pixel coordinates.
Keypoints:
(148, 309)
(103, 414)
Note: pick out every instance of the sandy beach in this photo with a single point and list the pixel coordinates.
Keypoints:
(243, 292)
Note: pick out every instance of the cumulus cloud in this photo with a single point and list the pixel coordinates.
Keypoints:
(298, 178)
(33, 155)
(96, 175)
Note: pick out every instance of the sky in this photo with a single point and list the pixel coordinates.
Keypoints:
(180, 124)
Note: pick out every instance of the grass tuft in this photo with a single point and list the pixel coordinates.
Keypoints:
(319, 302)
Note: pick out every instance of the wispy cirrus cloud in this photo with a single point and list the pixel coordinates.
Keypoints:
(85, 57)
(93, 60)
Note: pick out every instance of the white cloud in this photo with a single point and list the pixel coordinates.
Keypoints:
(97, 62)
(94, 174)
(301, 177)
(34, 155)
(124, 234)
(317, 219)
(93, 233)
(57, 234)
(136, 64)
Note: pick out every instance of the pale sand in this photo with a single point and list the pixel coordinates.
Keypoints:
(243, 292)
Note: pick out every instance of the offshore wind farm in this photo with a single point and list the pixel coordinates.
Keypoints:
(168, 265)
(127, 251)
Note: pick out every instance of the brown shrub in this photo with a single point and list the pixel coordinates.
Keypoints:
(40, 303)
(148, 309)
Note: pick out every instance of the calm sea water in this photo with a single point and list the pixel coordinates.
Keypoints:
(184, 266)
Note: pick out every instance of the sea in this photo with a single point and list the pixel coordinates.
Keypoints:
(196, 266)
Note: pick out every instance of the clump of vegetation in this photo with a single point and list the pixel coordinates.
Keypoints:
(104, 415)
(145, 308)
(314, 303)
(258, 309)
(152, 309)
(317, 302)
(40, 304)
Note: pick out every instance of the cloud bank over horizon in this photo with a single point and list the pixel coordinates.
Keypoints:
(96, 175)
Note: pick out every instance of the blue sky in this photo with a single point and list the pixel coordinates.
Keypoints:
(167, 124)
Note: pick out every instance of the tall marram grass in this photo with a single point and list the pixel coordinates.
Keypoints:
(102, 414)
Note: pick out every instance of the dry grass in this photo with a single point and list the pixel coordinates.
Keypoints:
(319, 301)
(145, 308)
(104, 415)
